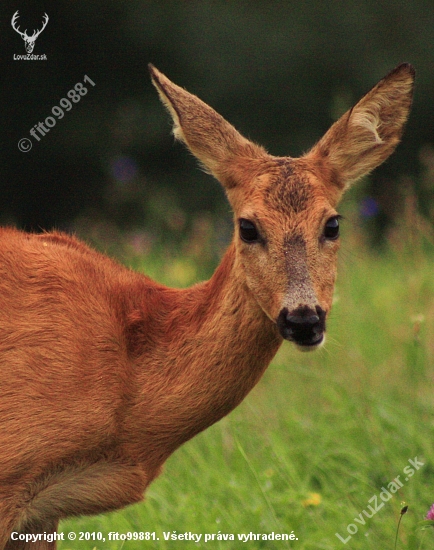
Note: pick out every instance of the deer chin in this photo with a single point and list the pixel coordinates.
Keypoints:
(311, 345)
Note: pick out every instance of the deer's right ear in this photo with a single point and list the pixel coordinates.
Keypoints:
(213, 141)
(369, 132)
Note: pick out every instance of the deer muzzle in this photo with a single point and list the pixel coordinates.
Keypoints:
(304, 326)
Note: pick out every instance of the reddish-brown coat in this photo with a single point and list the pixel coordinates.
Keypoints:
(104, 373)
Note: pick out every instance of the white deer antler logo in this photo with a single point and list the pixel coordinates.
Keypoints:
(29, 41)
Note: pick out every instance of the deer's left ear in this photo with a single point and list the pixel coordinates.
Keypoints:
(369, 132)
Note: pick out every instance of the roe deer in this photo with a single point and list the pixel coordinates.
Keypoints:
(104, 373)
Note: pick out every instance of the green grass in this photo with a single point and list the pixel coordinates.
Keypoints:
(330, 428)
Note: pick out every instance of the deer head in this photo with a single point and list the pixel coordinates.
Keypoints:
(286, 222)
(29, 41)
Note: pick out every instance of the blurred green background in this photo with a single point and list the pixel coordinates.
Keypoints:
(281, 72)
(322, 433)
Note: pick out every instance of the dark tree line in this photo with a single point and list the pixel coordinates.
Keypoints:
(281, 72)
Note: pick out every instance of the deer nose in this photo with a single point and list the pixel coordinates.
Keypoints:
(304, 326)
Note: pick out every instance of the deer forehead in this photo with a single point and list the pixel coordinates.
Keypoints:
(287, 198)
(289, 191)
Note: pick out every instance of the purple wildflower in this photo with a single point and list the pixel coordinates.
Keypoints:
(369, 207)
(124, 169)
(430, 514)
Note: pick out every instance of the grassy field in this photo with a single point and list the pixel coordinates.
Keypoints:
(312, 447)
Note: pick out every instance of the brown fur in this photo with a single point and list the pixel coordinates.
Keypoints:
(288, 192)
(104, 373)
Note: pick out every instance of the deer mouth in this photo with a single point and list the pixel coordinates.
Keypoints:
(311, 344)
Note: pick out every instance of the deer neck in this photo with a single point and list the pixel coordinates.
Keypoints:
(233, 327)
(218, 344)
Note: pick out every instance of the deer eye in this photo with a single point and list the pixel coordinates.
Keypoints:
(248, 231)
(331, 229)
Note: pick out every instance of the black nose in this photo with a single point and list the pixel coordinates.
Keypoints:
(304, 326)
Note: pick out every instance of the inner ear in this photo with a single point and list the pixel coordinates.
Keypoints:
(367, 134)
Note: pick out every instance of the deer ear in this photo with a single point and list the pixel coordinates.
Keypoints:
(368, 133)
(213, 141)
